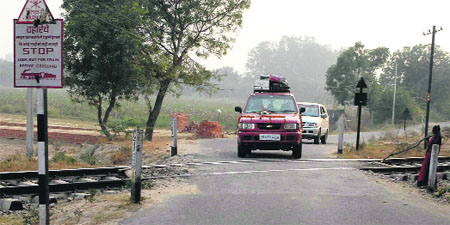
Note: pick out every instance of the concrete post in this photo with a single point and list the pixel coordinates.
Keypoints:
(30, 124)
(136, 166)
(341, 128)
(433, 167)
(174, 131)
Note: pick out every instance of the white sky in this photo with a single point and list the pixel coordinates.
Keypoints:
(389, 23)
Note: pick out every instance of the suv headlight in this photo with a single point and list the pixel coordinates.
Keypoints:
(291, 126)
(310, 124)
(247, 126)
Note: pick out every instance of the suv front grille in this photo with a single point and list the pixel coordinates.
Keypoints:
(269, 126)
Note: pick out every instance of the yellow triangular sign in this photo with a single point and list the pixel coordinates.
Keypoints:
(33, 10)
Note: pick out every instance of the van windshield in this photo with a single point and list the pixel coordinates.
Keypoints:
(310, 110)
(271, 103)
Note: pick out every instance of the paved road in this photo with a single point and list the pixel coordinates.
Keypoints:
(285, 191)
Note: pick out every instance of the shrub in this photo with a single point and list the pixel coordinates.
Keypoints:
(62, 157)
(88, 155)
(122, 156)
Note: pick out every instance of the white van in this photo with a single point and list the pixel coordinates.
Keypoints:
(315, 122)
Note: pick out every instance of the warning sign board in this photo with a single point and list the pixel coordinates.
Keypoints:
(34, 10)
(38, 54)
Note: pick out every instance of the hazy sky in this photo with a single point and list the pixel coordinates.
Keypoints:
(389, 23)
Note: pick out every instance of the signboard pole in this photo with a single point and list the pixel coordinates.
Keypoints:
(42, 132)
(360, 100)
(174, 130)
(136, 166)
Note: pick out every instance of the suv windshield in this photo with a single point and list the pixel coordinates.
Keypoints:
(271, 103)
(310, 110)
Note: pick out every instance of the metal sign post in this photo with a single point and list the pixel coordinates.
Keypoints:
(136, 166)
(174, 130)
(360, 100)
(42, 132)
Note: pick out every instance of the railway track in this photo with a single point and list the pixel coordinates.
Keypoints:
(70, 180)
(405, 169)
(25, 182)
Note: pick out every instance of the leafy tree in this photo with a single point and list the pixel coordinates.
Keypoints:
(100, 51)
(353, 63)
(300, 59)
(179, 29)
(382, 105)
(412, 74)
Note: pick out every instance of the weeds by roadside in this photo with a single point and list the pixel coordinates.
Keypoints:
(442, 192)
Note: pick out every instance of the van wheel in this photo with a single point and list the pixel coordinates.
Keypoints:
(297, 151)
(242, 151)
(316, 139)
(324, 138)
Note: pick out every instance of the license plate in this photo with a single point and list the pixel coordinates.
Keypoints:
(269, 137)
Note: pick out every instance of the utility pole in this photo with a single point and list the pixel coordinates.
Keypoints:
(395, 92)
(427, 117)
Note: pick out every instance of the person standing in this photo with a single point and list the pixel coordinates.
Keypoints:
(435, 139)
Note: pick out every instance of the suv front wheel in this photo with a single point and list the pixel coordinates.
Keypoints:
(317, 138)
(242, 151)
(324, 138)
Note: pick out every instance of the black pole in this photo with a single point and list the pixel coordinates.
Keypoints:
(42, 132)
(359, 121)
(427, 117)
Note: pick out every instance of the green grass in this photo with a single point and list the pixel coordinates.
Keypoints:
(13, 101)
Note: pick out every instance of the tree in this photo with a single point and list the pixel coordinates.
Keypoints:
(178, 29)
(300, 59)
(353, 63)
(100, 51)
(412, 74)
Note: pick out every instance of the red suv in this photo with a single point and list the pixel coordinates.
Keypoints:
(270, 119)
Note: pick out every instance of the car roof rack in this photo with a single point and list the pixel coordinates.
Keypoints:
(271, 83)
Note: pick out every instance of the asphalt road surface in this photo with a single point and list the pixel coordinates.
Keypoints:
(275, 189)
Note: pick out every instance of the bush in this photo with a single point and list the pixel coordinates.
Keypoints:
(88, 155)
(124, 126)
(122, 156)
(62, 157)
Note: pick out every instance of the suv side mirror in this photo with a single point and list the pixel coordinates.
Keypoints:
(238, 109)
(302, 110)
(324, 115)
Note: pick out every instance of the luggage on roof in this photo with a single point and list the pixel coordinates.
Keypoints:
(271, 83)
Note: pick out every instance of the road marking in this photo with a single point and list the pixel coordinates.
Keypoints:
(258, 161)
(249, 172)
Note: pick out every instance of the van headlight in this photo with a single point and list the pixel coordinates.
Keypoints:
(291, 126)
(310, 124)
(247, 126)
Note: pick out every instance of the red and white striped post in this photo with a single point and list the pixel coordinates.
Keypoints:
(42, 132)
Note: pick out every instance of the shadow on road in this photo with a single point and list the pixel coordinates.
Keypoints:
(270, 154)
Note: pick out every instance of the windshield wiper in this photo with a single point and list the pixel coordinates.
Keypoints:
(287, 111)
